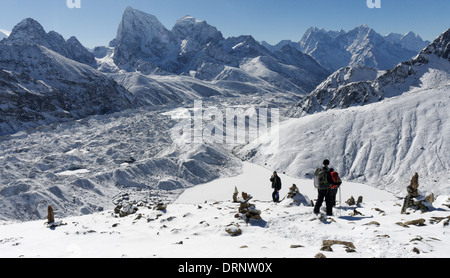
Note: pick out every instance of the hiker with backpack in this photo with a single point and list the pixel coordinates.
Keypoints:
(276, 185)
(334, 188)
(323, 182)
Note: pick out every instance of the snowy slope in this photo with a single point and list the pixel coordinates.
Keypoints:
(383, 143)
(326, 92)
(191, 229)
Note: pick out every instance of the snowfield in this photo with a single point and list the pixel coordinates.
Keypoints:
(193, 228)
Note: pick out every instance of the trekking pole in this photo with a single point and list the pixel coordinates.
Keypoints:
(340, 202)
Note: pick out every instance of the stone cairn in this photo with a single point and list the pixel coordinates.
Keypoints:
(247, 211)
(51, 223)
(50, 215)
(294, 197)
(414, 199)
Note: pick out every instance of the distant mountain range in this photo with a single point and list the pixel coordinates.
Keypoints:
(147, 64)
(355, 86)
(361, 46)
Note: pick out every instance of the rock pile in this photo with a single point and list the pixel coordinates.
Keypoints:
(126, 207)
(50, 215)
(414, 199)
(247, 211)
(295, 198)
(51, 223)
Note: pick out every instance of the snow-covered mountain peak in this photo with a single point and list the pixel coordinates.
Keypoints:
(31, 32)
(28, 30)
(140, 27)
(188, 19)
(410, 40)
(190, 27)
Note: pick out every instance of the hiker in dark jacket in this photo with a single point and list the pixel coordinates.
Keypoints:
(326, 193)
(276, 185)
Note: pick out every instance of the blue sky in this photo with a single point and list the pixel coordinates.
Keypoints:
(96, 22)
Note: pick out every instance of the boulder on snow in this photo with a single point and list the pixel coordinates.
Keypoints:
(233, 229)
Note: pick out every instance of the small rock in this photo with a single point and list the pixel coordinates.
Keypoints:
(373, 223)
(296, 246)
(351, 201)
(320, 256)
(161, 206)
(360, 200)
(417, 222)
(355, 212)
(379, 210)
(326, 248)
